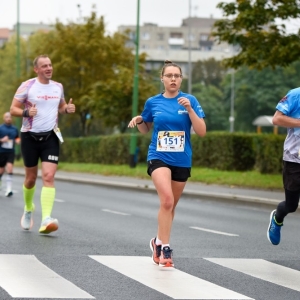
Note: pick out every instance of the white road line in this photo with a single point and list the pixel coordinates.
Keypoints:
(24, 276)
(173, 283)
(115, 212)
(213, 231)
(262, 269)
(59, 200)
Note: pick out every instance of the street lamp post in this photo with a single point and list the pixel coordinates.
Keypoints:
(231, 118)
(133, 138)
(189, 63)
(18, 68)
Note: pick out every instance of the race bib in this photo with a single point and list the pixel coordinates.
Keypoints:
(170, 141)
(8, 145)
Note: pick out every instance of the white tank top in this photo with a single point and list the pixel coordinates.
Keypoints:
(47, 99)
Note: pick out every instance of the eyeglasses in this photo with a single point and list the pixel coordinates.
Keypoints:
(176, 76)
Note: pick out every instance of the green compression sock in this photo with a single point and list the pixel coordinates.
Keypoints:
(47, 200)
(28, 195)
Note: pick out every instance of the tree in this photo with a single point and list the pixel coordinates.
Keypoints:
(8, 72)
(259, 29)
(96, 70)
(208, 72)
(213, 104)
(258, 92)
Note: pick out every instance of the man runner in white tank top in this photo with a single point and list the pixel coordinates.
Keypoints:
(38, 101)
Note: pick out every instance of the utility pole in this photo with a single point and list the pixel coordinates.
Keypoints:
(133, 138)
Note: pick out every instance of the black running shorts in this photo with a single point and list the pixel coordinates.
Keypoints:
(180, 174)
(291, 176)
(44, 146)
(6, 157)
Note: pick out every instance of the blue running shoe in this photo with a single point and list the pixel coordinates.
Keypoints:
(274, 230)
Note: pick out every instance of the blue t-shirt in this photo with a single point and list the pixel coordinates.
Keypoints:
(12, 133)
(290, 106)
(170, 140)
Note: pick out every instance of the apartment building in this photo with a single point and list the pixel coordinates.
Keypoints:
(192, 41)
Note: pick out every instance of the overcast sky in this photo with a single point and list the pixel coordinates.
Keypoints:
(115, 12)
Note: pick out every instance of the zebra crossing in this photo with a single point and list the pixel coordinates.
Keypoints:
(24, 276)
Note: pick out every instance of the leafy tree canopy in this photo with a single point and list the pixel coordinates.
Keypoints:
(258, 27)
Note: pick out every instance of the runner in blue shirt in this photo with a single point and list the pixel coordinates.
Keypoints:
(172, 114)
(287, 115)
(9, 136)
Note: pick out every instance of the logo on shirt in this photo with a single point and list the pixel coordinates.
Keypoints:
(47, 97)
(283, 99)
(180, 111)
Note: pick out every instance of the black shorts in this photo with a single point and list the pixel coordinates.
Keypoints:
(6, 157)
(180, 174)
(44, 146)
(291, 176)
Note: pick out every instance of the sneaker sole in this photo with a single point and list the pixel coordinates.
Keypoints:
(49, 228)
(166, 265)
(271, 216)
(150, 244)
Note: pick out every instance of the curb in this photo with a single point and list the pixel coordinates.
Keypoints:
(151, 189)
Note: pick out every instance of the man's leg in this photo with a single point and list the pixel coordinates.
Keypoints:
(48, 189)
(30, 154)
(9, 178)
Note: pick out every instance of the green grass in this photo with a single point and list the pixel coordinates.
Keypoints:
(250, 179)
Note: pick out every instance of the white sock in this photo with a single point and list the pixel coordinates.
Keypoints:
(165, 245)
(8, 182)
(158, 241)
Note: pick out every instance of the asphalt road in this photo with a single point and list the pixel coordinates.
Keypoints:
(101, 249)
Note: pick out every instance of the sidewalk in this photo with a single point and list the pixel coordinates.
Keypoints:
(192, 189)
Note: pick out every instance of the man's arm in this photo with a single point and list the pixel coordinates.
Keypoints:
(280, 119)
(16, 108)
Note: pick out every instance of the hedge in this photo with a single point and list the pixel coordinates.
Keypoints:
(217, 150)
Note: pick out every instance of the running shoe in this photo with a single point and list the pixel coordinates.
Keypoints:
(27, 219)
(156, 251)
(273, 232)
(48, 225)
(165, 259)
(8, 193)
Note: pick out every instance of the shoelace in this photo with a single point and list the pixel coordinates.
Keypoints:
(167, 252)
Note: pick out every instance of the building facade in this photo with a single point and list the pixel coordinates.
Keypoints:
(190, 42)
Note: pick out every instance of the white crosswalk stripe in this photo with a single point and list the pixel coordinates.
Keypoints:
(168, 282)
(262, 269)
(24, 276)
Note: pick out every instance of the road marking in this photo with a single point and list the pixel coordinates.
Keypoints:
(59, 200)
(24, 276)
(172, 282)
(262, 269)
(214, 231)
(115, 212)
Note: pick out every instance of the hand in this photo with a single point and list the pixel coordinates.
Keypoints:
(70, 109)
(135, 120)
(32, 111)
(185, 102)
(4, 139)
